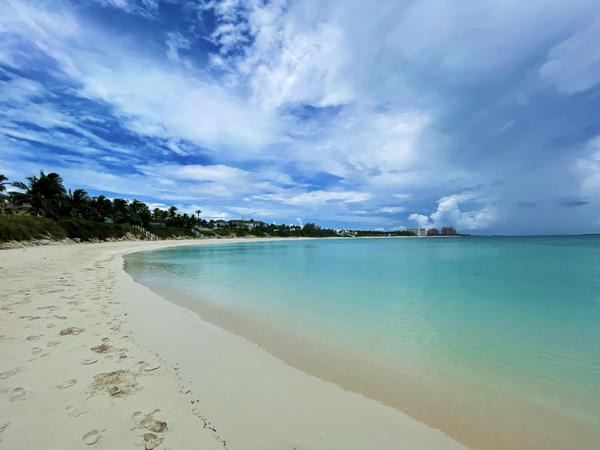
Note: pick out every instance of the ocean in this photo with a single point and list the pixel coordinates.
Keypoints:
(477, 336)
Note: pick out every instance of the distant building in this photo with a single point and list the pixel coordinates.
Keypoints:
(249, 224)
(418, 231)
(448, 231)
(252, 224)
(219, 223)
(433, 232)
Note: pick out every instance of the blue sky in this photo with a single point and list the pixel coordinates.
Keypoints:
(480, 114)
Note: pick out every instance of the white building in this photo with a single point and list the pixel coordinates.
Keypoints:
(418, 231)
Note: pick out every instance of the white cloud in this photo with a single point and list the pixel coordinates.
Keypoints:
(589, 168)
(183, 108)
(574, 64)
(448, 213)
(293, 62)
(374, 121)
(258, 213)
(195, 172)
(404, 196)
(207, 212)
(421, 220)
(391, 209)
(315, 198)
(145, 8)
(153, 99)
(175, 42)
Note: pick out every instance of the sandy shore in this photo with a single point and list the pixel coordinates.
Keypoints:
(91, 359)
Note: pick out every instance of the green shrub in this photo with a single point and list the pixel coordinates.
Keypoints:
(86, 230)
(170, 232)
(24, 228)
(223, 231)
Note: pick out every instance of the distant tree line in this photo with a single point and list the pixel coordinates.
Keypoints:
(45, 195)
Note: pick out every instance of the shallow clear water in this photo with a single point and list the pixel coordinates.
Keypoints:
(515, 315)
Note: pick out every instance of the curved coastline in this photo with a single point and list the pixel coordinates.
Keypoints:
(440, 409)
(292, 404)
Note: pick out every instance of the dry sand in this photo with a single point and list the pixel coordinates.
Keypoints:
(91, 359)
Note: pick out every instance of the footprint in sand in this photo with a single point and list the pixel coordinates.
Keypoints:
(66, 384)
(118, 383)
(9, 373)
(17, 394)
(91, 437)
(34, 337)
(50, 325)
(102, 348)
(87, 362)
(152, 366)
(53, 343)
(3, 426)
(151, 441)
(76, 410)
(150, 421)
(71, 331)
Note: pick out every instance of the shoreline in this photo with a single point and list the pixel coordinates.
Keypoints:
(105, 361)
(472, 415)
(511, 422)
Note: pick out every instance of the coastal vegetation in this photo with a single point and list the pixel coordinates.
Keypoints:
(41, 207)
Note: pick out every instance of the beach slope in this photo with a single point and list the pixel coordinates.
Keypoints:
(91, 359)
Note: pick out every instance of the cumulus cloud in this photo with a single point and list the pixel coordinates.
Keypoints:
(448, 213)
(421, 220)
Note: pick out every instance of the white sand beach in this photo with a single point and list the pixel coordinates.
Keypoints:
(91, 359)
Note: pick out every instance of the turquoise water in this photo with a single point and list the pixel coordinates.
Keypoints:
(513, 315)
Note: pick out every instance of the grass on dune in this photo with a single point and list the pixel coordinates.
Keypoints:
(25, 228)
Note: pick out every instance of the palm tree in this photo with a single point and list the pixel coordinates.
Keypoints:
(159, 215)
(140, 212)
(198, 212)
(43, 195)
(3, 183)
(101, 208)
(79, 200)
